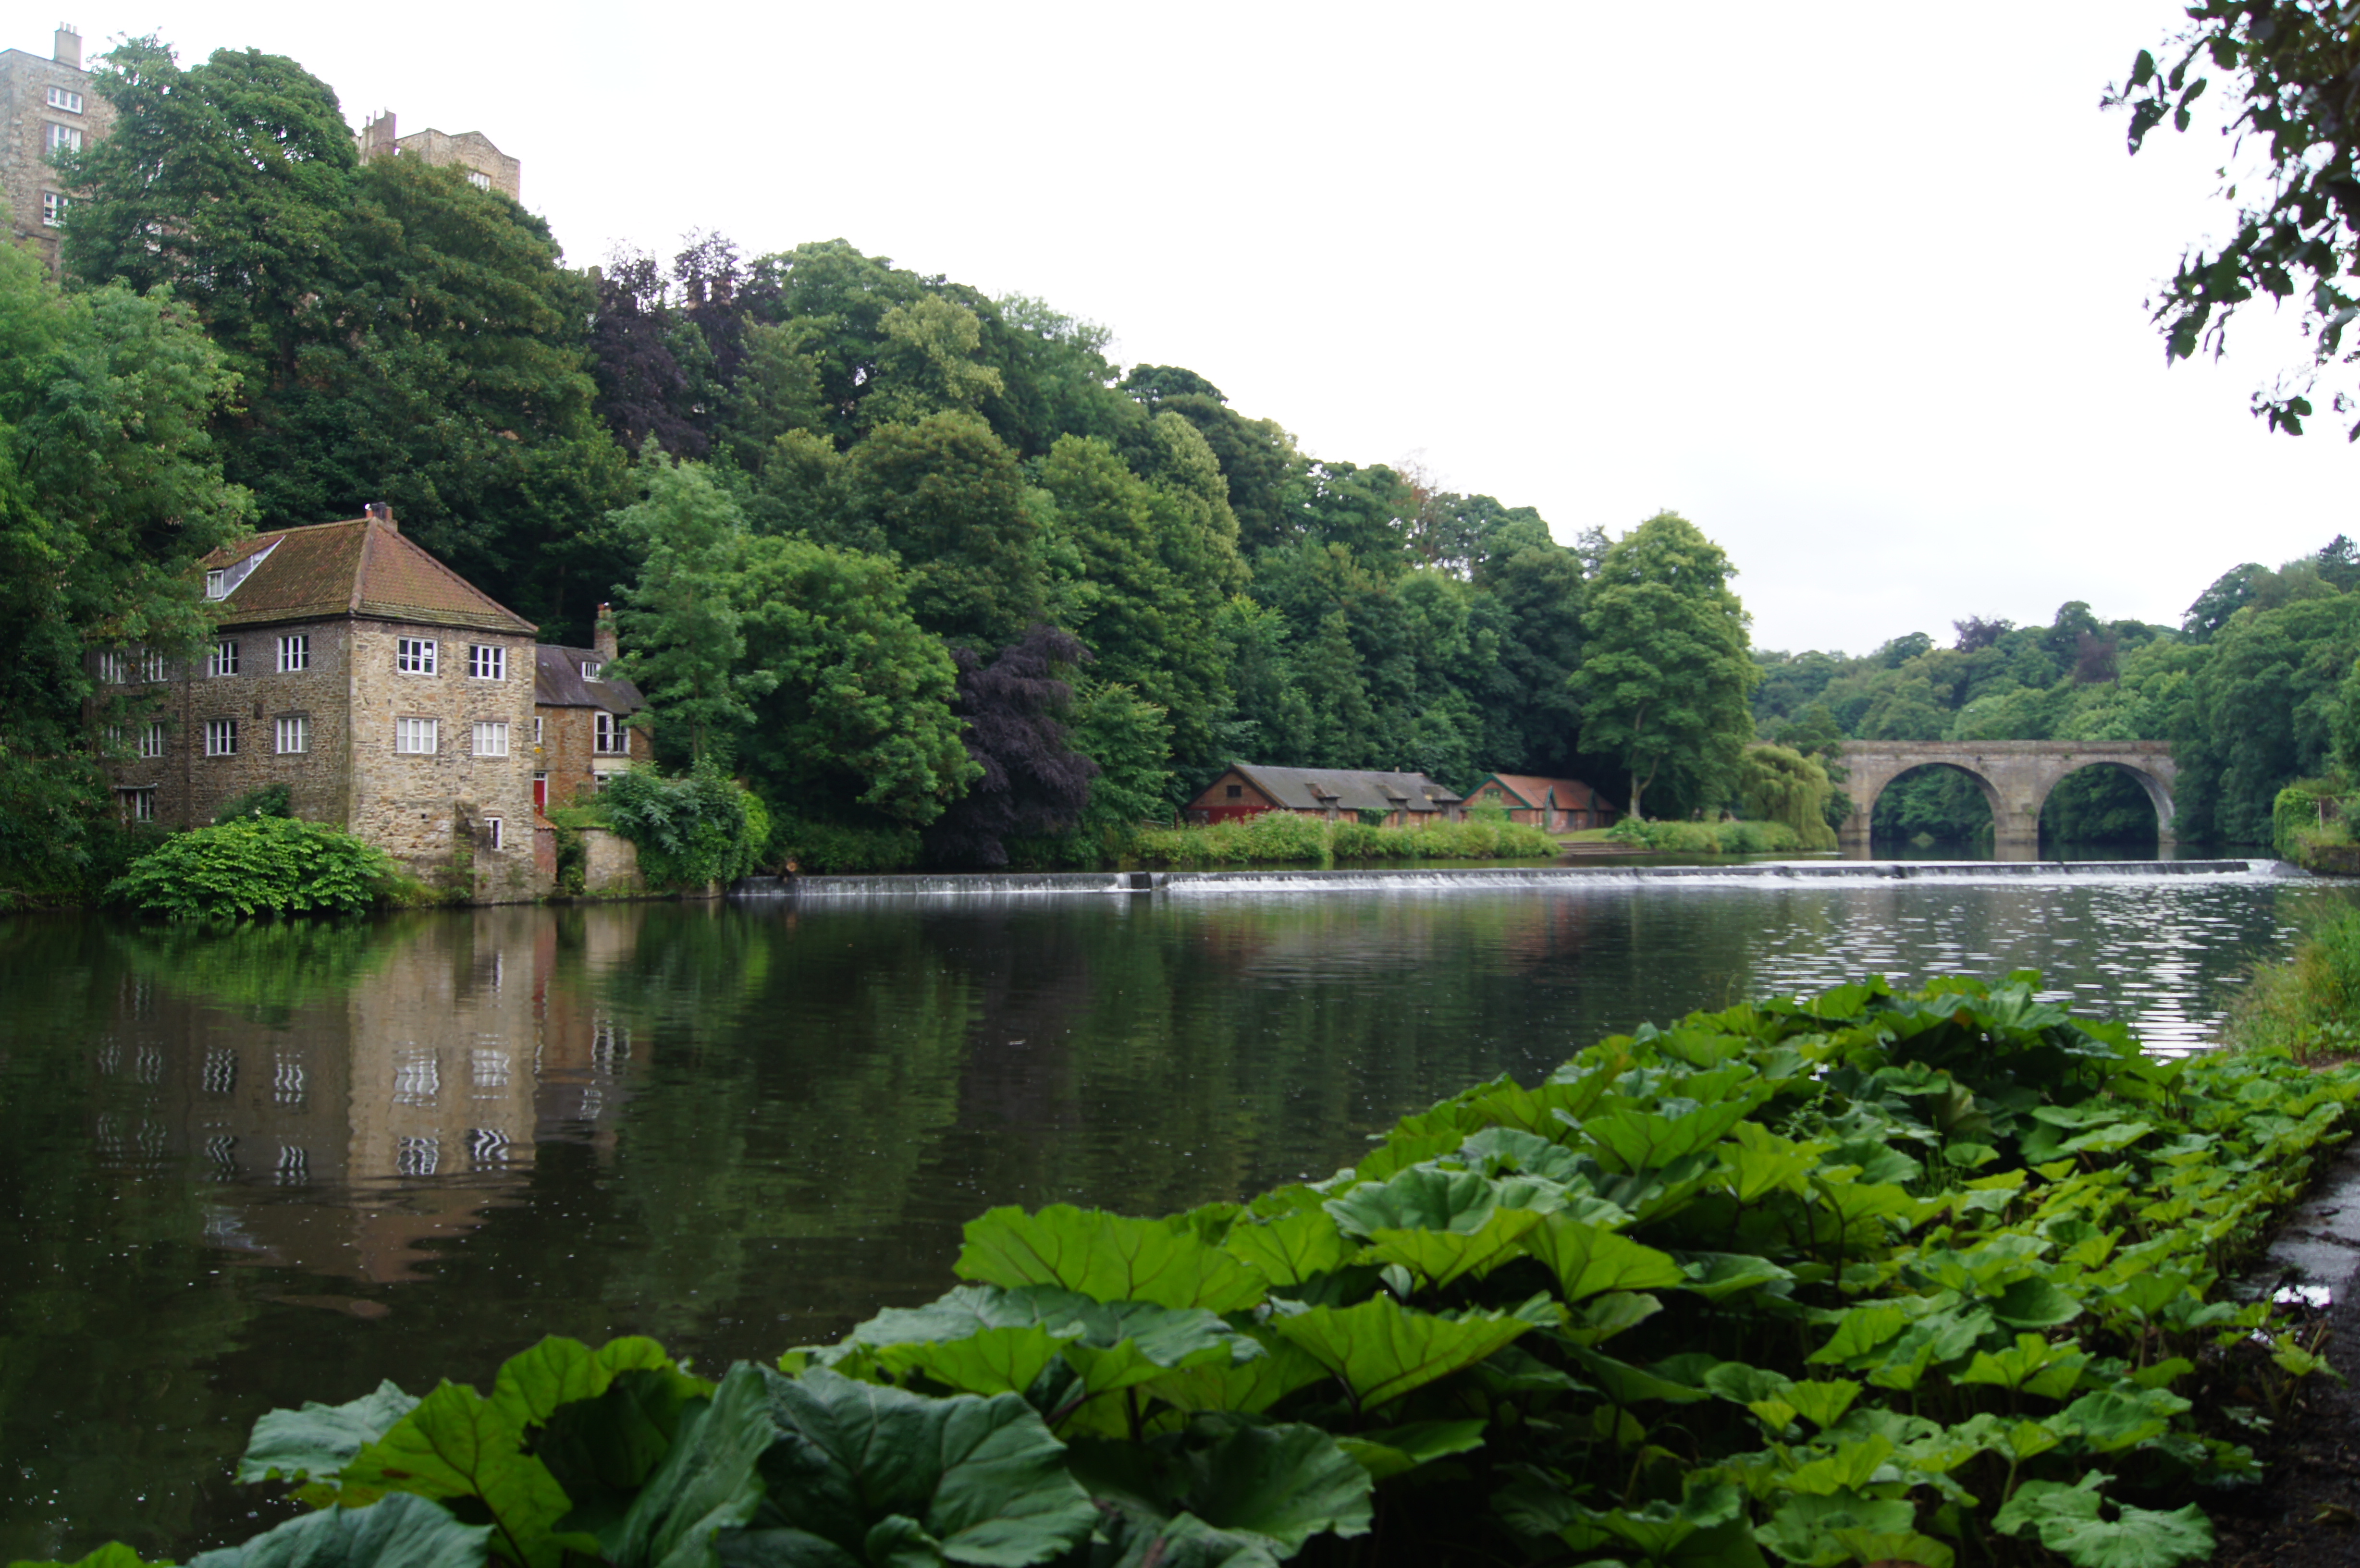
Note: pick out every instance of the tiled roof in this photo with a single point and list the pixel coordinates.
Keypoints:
(557, 682)
(1572, 794)
(1316, 788)
(365, 566)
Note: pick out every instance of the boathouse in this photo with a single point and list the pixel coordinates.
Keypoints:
(1559, 805)
(1250, 789)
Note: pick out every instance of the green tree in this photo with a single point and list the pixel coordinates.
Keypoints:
(948, 497)
(682, 621)
(110, 491)
(2290, 71)
(1665, 678)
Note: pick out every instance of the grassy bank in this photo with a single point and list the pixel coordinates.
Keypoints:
(1931, 1278)
(1275, 837)
(2307, 1006)
(1707, 838)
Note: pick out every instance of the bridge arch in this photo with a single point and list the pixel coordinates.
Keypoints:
(2016, 776)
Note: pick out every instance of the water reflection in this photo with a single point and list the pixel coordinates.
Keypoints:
(248, 1169)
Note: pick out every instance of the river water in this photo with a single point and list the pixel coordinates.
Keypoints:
(243, 1170)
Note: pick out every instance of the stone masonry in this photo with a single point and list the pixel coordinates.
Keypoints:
(485, 164)
(2014, 776)
(44, 103)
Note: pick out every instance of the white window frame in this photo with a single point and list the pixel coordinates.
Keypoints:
(590, 667)
(53, 209)
(609, 734)
(494, 731)
(536, 732)
(137, 802)
(408, 731)
(495, 834)
(65, 98)
(222, 658)
(486, 662)
(294, 653)
(113, 669)
(415, 656)
(117, 738)
(62, 138)
(151, 739)
(221, 737)
(151, 665)
(479, 180)
(295, 727)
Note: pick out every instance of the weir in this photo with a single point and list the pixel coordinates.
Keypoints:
(1471, 877)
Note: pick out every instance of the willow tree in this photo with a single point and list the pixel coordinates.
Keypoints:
(1666, 672)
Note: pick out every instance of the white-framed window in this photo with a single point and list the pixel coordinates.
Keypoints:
(480, 180)
(414, 656)
(113, 669)
(221, 737)
(66, 99)
(294, 734)
(486, 662)
(495, 833)
(590, 667)
(118, 737)
(536, 730)
(63, 139)
(295, 654)
(217, 583)
(53, 208)
(137, 805)
(151, 665)
(416, 737)
(491, 738)
(222, 658)
(151, 739)
(608, 736)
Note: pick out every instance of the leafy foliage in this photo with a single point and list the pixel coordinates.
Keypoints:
(1279, 837)
(690, 831)
(255, 865)
(1841, 1279)
(1030, 781)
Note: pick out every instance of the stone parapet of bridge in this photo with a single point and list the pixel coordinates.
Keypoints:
(2016, 776)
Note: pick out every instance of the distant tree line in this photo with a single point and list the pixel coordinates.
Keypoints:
(909, 559)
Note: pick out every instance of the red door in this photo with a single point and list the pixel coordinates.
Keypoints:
(541, 791)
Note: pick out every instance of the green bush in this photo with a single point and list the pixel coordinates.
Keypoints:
(2309, 814)
(1708, 838)
(267, 800)
(831, 849)
(1848, 1278)
(1282, 837)
(2308, 1005)
(256, 865)
(690, 831)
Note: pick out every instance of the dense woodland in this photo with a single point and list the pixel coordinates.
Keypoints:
(913, 563)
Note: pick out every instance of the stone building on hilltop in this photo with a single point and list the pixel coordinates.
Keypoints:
(488, 169)
(46, 107)
(387, 694)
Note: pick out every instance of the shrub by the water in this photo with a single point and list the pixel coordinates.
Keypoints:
(2308, 1005)
(1857, 1278)
(689, 832)
(1708, 838)
(831, 849)
(255, 865)
(1282, 837)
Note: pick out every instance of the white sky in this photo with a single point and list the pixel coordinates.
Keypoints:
(1856, 288)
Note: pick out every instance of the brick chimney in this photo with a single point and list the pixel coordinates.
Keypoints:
(604, 638)
(65, 46)
(378, 512)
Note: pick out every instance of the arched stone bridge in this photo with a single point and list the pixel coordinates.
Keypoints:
(2016, 776)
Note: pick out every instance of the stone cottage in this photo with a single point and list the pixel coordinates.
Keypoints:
(389, 694)
(580, 709)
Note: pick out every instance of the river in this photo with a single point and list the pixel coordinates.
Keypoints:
(247, 1169)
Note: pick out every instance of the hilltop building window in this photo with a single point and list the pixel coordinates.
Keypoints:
(221, 737)
(137, 805)
(294, 734)
(294, 654)
(113, 669)
(61, 98)
(63, 139)
(151, 665)
(221, 660)
(151, 741)
(53, 208)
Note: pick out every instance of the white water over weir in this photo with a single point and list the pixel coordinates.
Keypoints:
(1477, 877)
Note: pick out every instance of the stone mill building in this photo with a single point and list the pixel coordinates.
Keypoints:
(386, 692)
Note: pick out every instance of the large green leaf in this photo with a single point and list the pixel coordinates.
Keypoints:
(1108, 1258)
(534, 1383)
(1395, 1451)
(1644, 1140)
(1381, 1349)
(318, 1441)
(402, 1531)
(1291, 1248)
(1442, 1256)
(995, 1361)
(1186, 1542)
(976, 1480)
(1250, 1386)
(1424, 1198)
(2069, 1523)
(458, 1444)
(114, 1554)
(1590, 1258)
(707, 1483)
(602, 1451)
(1287, 1482)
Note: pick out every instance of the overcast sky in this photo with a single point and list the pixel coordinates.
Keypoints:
(1857, 289)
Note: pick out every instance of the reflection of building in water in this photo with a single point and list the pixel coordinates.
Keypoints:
(380, 1116)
